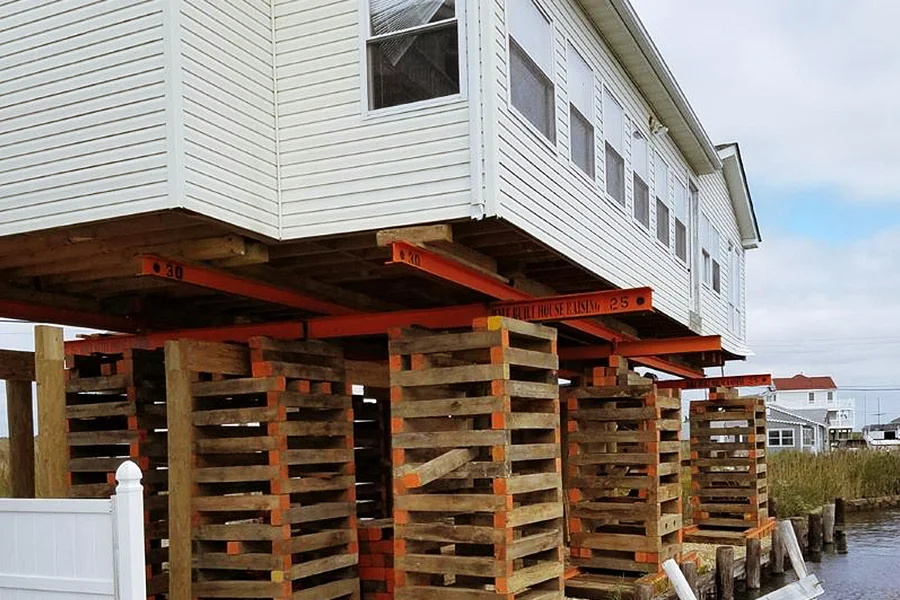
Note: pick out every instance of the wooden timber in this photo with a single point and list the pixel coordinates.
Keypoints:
(478, 505)
(49, 368)
(623, 474)
(729, 489)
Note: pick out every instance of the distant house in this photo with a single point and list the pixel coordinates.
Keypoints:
(883, 436)
(809, 397)
(794, 431)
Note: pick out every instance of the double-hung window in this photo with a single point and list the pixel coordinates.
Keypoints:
(614, 133)
(781, 438)
(681, 221)
(530, 66)
(413, 51)
(661, 190)
(640, 189)
(710, 243)
(581, 111)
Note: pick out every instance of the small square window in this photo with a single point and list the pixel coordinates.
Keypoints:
(716, 277)
(615, 174)
(662, 222)
(680, 240)
(582, 134)
(641, 201)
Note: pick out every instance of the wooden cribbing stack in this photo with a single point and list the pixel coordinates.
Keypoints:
(272, 496)
(372, 437)
(116, 411)
(623, 479)
(729, 490)
(477, 491)
(376, 559)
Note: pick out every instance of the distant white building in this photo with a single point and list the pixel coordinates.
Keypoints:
(808, 397)
(883, 436)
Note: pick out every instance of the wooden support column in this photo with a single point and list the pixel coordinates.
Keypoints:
(179, 405)
(49, 365)
(21, 438)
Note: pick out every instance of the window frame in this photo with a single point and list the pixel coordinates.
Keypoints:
(780, 434)
(685, 260)
(811, 398)
(366, 37)
(664, 200)
(590, 119)
(615, 201)
(551, 77)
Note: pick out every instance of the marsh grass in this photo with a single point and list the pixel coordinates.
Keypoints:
(801, 482)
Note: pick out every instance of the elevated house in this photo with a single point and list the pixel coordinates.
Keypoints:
(817, 399)
(271, 140)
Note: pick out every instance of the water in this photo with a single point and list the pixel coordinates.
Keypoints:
(871, 569)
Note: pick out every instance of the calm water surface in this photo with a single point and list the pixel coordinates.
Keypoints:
(871, 569)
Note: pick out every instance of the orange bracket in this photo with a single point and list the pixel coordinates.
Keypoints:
(715, 382)
(658, 347)
(223, 281)
(27, 311)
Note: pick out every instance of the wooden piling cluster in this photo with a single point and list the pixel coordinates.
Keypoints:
(268, 498)
(116, 411)
(623, 480)
(729, 487)
(376, 559)
(478, 507)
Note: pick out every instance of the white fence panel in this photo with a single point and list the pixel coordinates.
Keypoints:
(75, 549)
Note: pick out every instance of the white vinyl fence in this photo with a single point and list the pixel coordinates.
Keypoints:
(75, 549)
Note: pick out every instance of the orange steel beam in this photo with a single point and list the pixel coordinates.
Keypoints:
(26, 311)
(657, 347)
(450, 270)
(115, 344)
(714, 382)
(667, 366)
(576, 306)
(223, 281)
(379, 323)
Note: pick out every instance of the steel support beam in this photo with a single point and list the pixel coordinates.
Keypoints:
(667, 366)
(716, 382)
(655, 347)
(223, 281)
(37, 313)
(576, 306)
(379, 323)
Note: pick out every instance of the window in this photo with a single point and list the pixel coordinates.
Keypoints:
(890, 435)
(710, 243)
(581, 111)
(530, 60)
(613, 130)
(808, 436)
(783, 438)
(830, 397)
(413, 51)
(812, 397)
(681, 221)
(641, 190)
(661, 190)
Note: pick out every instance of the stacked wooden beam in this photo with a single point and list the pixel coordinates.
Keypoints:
(376, 559)
(372, 437)
(623, 479)
(273, 502)
(116, 411)
(729, 490)
(477, 491)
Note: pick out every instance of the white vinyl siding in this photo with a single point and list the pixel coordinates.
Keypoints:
(82, 112)
(341, 170)
(229, 112)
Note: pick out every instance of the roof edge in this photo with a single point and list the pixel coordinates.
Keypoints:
(739, 190)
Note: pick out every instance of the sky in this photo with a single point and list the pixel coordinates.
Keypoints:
(810, 91)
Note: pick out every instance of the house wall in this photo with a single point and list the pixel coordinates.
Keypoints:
(342, 168)
(541, 191)
(800, 398)
(83, 113)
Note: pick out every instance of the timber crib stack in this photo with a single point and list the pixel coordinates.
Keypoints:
(116, 411)
(623, 479)
(729, 490)
(376, 559)
(371, 433)
(273, 508)
(477, 491)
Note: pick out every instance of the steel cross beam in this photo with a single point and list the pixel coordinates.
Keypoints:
(38, 313)
(714, 382)
(223, 281)
(644, 348)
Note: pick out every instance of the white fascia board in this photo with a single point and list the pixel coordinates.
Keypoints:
(736, 179)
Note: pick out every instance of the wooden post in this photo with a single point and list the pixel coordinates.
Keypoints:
(773, 508)
(178, 413)
(777, 552)
(754, 563)
(689, 569)
(840, 541)
(21, 438)
(725, 573)
(643, 591)
(828, 524)
(801, 532)
(815, 537)
(50, 373)
(839, 512)
(684, 589)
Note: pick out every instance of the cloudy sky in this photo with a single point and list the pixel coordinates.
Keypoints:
(810, 90)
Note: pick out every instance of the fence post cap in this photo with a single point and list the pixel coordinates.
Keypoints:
(128, 475)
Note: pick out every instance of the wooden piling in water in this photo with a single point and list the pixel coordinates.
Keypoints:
(725, 573)
(777, 552)
(828, 524)
(840, 541)
(773, 508)
(840, 512)
(801, 530)
(815, 537)
(753, 563)
(689, 569)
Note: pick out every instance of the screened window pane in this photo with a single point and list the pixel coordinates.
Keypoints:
(807, 436)
(681, 240)
(639, 154)
(532, 92)
(532, 32)
(582, 134)
(613, 123)
(662, 222)
(716, 276)
(615, 174)
(388, 16)
(641, 202)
